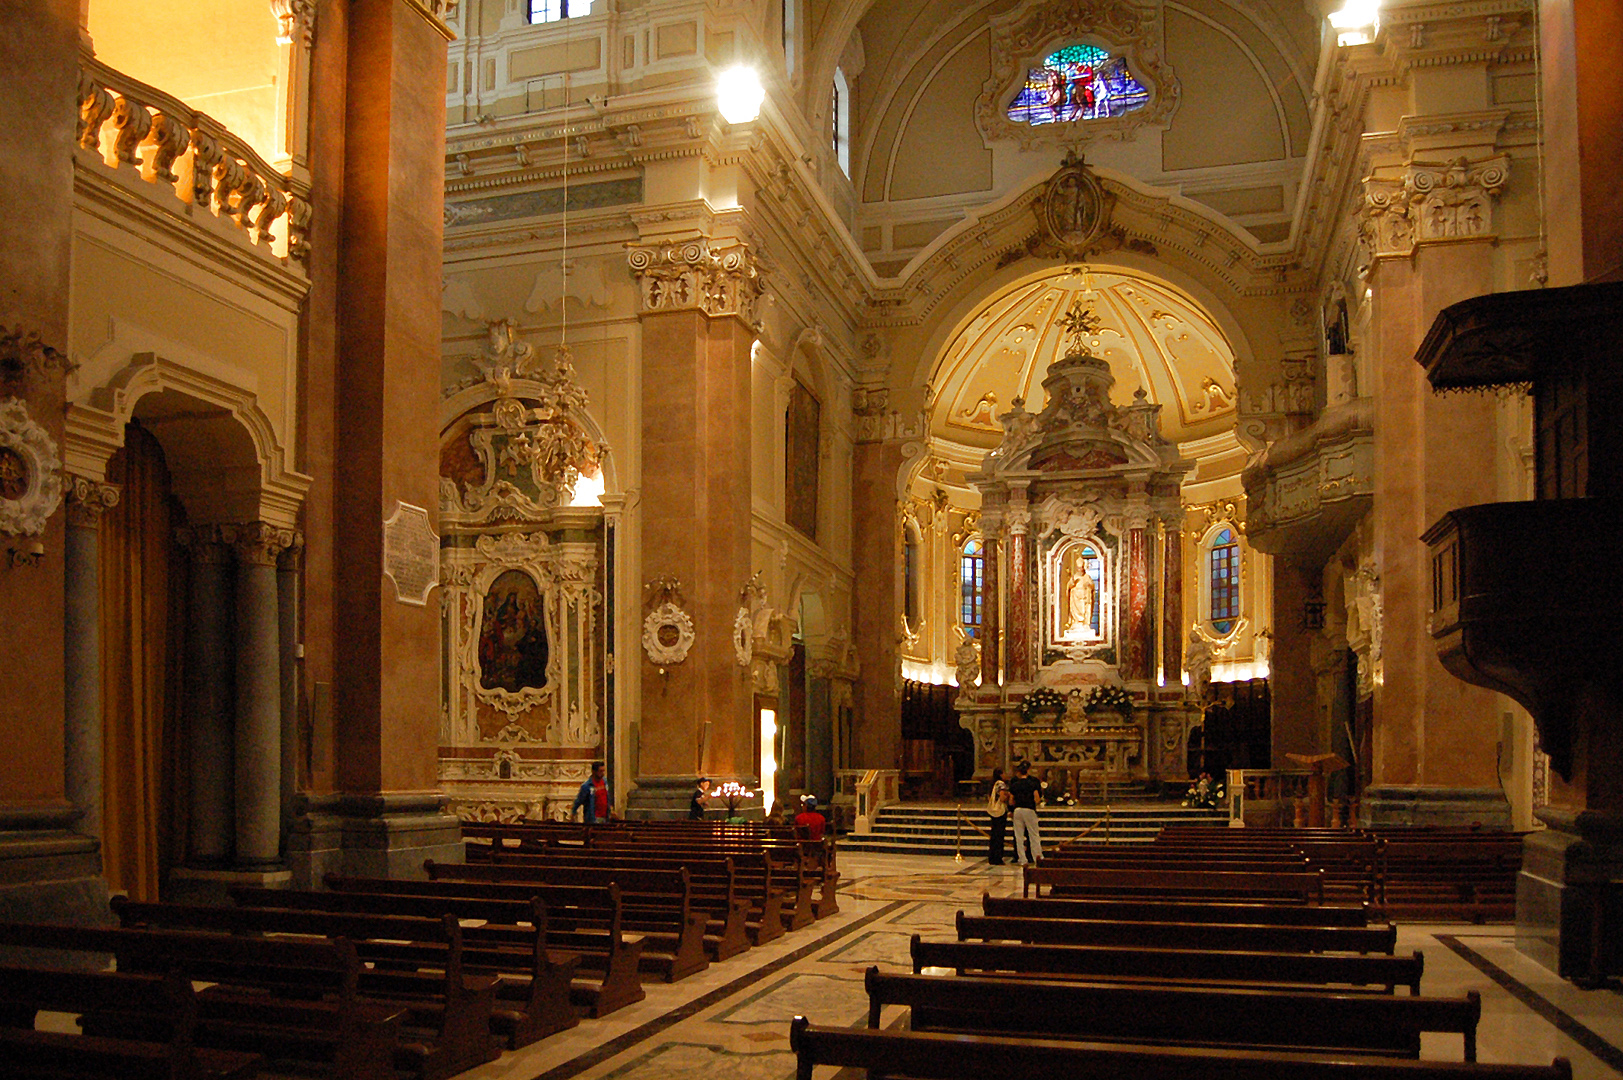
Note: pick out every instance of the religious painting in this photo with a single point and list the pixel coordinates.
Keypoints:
(13, 474)
(802, 434)
(1078, 82)
(513, 646)
(1081, 586)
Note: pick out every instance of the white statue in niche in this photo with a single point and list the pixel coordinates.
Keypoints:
(1081, 597)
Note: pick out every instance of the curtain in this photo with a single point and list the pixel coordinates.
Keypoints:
(141, 649)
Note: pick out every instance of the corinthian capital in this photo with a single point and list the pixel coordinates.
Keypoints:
(256, 543)
(295, 22)
(717, 277)
(1427, 202)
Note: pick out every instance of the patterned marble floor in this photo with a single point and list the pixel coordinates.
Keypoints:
(731, 1022)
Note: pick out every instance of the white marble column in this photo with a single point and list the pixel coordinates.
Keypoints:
(208, 695)
(82, 736)
(258, 743)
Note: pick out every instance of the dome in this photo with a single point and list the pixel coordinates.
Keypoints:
(1151, 334)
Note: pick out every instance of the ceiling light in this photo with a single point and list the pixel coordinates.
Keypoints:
(739, 94)
(1356, 22)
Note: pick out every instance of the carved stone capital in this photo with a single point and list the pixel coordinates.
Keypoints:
(295, 22)
(293, 554)
(206, 544)
(256, 543)
(717, 277)
(1431, 202)
(86, 500)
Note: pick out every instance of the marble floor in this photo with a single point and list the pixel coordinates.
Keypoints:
(731, 1022)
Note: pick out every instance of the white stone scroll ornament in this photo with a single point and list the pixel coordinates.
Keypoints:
(30, 472)
(667, 631)
(743, 637)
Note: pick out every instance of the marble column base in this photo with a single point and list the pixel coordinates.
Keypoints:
(382, 836)
(1455, 807)
(1569, 895)
(666, 798)
(193, 885)
(49, 873)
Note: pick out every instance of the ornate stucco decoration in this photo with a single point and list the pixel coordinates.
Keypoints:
(295, 22)
(1024, 36)
(561, 578)
(531, 446)
(717, 277)
(24, 356)
(1073, 215)
(667, 631)
(1431, 202)
(743, 637)
(30, 472)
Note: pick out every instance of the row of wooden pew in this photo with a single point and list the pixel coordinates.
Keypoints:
(379, 978)
(1176, 963)
(1412, 874)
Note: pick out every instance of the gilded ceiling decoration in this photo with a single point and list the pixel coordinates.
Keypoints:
(1152, 335)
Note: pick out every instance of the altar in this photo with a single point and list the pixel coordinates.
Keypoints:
(1081, 659)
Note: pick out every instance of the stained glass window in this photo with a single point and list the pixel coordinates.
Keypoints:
(1223, 583)
(1078, 82)
(972, 583)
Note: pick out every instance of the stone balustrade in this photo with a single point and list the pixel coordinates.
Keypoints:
(130, 125)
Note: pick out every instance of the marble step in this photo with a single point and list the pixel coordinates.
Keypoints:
(934, 829)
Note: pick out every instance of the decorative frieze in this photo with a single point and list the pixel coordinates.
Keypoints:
(717, 277)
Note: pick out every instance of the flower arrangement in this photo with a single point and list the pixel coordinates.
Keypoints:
(1109, 699)
(1058, 798)
(1204, 794)
(1042, 699)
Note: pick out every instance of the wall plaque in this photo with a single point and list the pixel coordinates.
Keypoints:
(411, 553)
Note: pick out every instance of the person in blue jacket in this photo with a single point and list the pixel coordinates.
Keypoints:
(593, 798)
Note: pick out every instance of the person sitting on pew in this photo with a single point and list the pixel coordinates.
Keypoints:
(593, 798)
(809, 819)
(696, 805)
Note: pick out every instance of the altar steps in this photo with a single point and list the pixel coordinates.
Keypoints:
(932, 830)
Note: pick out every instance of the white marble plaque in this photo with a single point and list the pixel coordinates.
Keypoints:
(411, 554)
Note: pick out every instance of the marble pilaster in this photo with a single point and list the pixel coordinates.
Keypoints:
(82, 735)
(288, 622)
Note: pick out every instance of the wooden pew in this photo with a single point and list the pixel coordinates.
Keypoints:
(414, 964)
(1204, 966)
(296, 1002)
(1246, 1019)
(1049, 907)
(929, 1056)
(532, 996)
(1461, 877)
(672, 930)
(1179, 935)
(718, 882)
(1282, 887)
(165, 1002)
(787, 861)
(610, 958)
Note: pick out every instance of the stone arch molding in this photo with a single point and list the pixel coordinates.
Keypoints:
(95, 427)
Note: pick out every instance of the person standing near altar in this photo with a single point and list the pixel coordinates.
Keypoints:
(1026, 794)
(997, 808)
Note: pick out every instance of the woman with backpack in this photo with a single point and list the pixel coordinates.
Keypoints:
(997, 808)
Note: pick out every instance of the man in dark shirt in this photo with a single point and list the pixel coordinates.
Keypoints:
(696, 806)
(1027, 793)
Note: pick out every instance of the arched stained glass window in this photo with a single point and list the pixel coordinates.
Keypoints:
(1223, 580)
(972, 586)
(1078, 82)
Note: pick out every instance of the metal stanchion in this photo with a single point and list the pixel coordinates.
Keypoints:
(958, 839)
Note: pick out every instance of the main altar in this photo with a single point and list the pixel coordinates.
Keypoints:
(1081, 665)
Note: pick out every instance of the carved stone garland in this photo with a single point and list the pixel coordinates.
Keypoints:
(667, 631)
